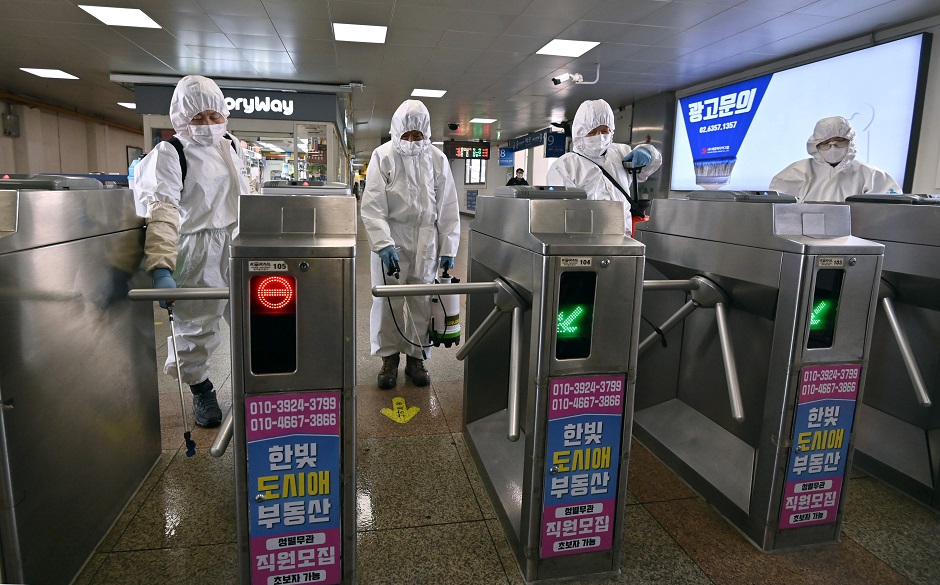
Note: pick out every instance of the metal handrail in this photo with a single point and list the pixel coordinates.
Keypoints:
(920, 389)
(224, 436)
(177, 294)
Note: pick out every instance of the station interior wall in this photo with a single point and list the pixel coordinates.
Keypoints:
(50, 142)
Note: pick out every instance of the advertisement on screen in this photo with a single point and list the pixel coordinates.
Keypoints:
(739, 136)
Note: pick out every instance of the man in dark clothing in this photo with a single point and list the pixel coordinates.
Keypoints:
(518, 179)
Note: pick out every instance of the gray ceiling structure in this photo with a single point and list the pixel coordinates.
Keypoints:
(481, 51)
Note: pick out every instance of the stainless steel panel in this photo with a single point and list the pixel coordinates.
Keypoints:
(910, 224)
(276, 214)
(77, 365)
(744, 263)
(654, 121)
(894, 442)
(50, 217)
(543, 226)
(798, 228)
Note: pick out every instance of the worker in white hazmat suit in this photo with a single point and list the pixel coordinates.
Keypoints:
(190, 224)
(593, 149)
(409, 209)
(832, 174)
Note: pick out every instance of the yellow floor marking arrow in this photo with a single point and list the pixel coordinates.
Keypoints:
(399, 412)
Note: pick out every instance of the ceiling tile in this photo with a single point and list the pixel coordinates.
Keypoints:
(786, 26)
(456, 55)
(433, 66)
(314, 72)
(572, 9)
(481, 22)
(244, 25)
(680, 15)
(468, 40)
(624, 11)
(312, 49)
(252, 8)
(147, 6)
(839, 8)
(520, 44)
(214, 52)
(285, 71)
(311, 29)
(422, 17)
(496, 62)
(267, 57)
(413, 37)
(203, 39)
(261, 43)
(356, 55)
(635, 34)
(370, 13)
(176, 21)
(302, 11)
(777, 5)
(540, 26)
(493, 6)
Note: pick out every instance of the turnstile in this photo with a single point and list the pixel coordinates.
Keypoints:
(302, 187)
(753, 404)
(548, 394)
(80, 418)
(294, 363)
(898, 437)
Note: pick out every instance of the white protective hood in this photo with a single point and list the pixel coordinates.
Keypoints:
(194, 94)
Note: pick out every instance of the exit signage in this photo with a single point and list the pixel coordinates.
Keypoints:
(466, 149)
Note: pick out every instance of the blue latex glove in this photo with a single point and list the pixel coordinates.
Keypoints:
(447, 262)
(388, 255)
(638, 158)
(163, 278)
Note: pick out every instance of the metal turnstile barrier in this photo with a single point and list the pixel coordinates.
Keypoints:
(80, 418)
(753, 405)
(548, 392)
(302, 187)
(898, 437)
(294, 365)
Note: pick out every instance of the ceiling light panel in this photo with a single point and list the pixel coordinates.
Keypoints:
(482, 120)
(434, 93)
(50, 73)
(359, 33)
(128, 105)
(563, 48)
(121, 16)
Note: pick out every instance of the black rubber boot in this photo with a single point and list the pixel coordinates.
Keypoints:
(205, 405)
(414, 369)
(388, 376)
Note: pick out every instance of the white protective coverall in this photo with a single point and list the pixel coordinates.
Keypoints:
(189, 226)
(573, 170)
(410, 202)
(814, 179)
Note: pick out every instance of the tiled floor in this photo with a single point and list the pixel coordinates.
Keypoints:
(425, 518)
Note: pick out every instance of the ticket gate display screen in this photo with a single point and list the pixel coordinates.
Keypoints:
(273, 324)
(575, 315)
(825, 307)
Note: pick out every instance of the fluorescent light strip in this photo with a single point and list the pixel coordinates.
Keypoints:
(434, 93)
(359, 33)
(128, 105)
(50, 73)
(563, 48)
(121, 16)
(482, 120)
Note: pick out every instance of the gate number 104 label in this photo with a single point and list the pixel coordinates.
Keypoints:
(575, 262)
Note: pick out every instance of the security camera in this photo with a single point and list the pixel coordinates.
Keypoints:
(453, 126)
(556, 81)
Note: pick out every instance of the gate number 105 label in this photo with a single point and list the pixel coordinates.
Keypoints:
(267, 266)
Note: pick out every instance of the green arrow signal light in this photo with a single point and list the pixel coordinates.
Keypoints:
(569, 321)
(822, 312)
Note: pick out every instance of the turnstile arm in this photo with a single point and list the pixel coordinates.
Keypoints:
(906, 354)
(515, 353)
(480, 333)
(177, 294)
(224, 436)
(731, 371)
(705, 293)
(417, 290)
(671, 322)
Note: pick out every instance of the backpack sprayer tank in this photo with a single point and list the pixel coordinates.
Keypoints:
(445, 315)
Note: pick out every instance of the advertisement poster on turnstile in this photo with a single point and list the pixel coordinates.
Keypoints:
(294, 470)
(585, 420)
(824, 415)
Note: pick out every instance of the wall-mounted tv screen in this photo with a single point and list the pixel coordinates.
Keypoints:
(739, 136)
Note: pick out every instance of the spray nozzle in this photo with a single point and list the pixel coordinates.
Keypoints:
(393, 268)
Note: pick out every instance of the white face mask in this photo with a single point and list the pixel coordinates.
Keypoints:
(409, 148)
(207, 134)
(834, 155)
(596, 145)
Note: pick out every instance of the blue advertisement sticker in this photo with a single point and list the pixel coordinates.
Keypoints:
(717, 122)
